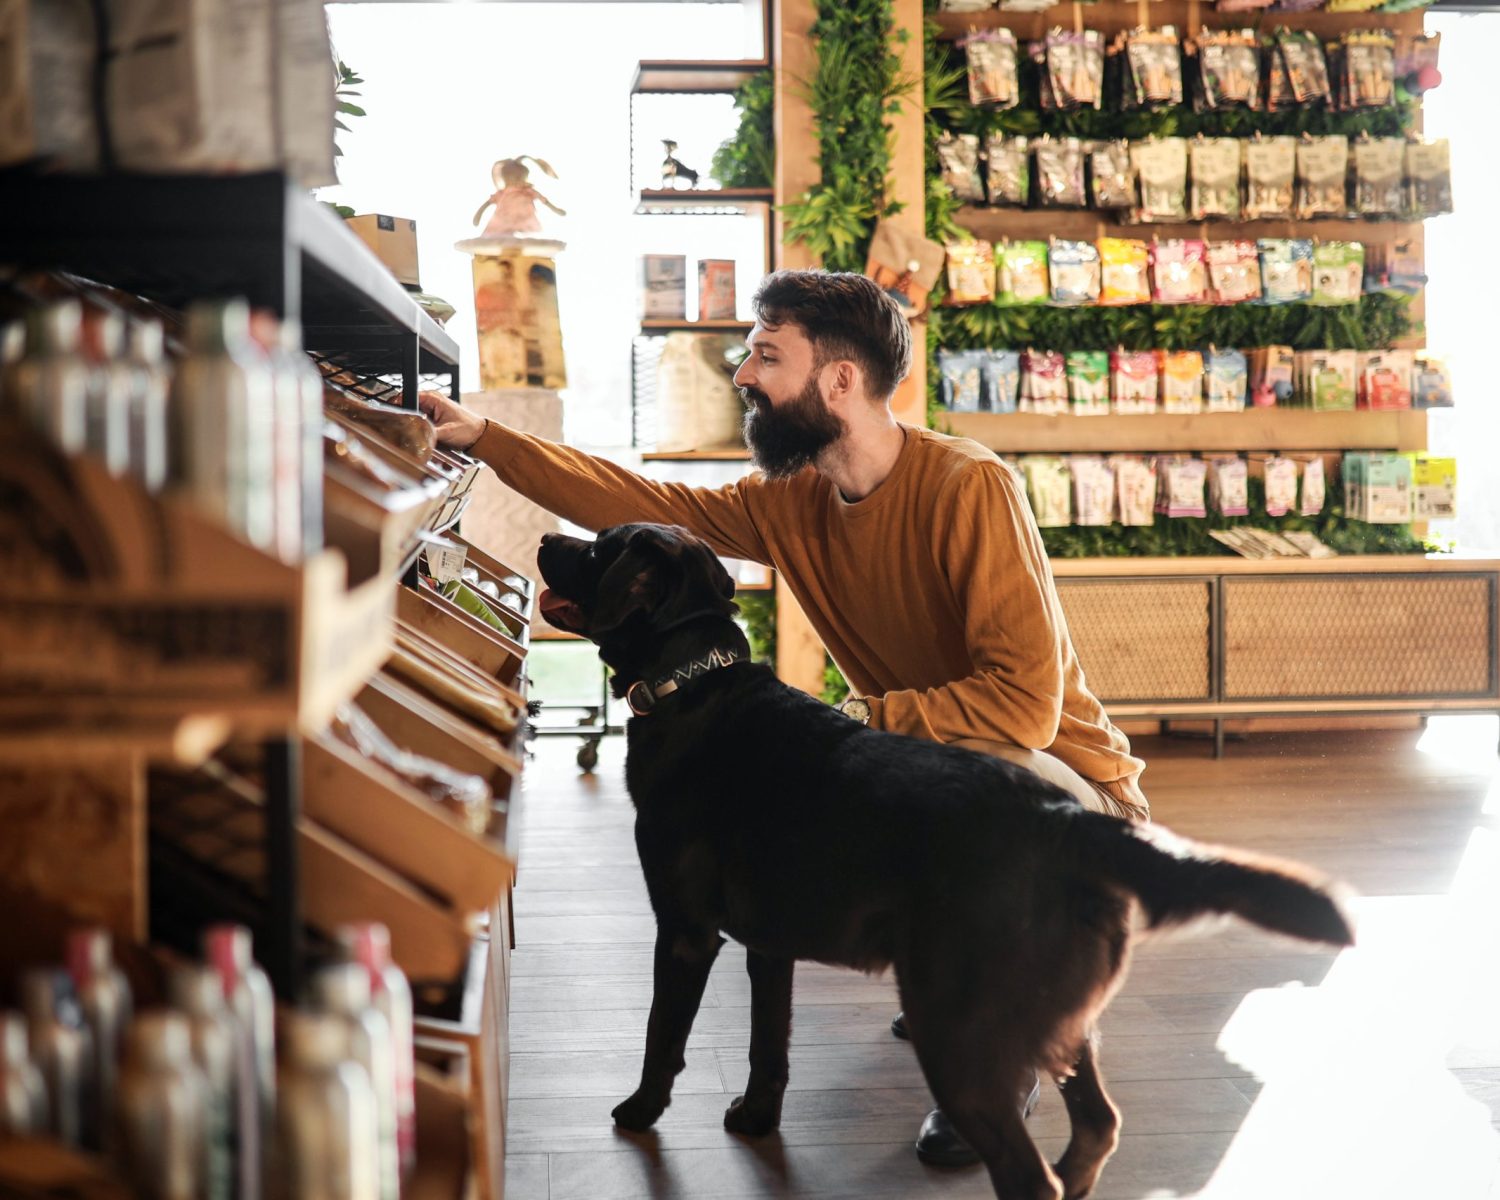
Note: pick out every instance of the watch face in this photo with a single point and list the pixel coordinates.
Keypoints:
(857, 708)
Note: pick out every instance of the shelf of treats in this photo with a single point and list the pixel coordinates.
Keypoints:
(1187, 16)
(664, 76)
(998, 224)
(1231, 564)
(1254, 429)
(723, 454)
(704, 202)
(654, 326)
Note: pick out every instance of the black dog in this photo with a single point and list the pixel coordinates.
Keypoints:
(1005, 907)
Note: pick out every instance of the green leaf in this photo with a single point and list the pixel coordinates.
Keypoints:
(353, 110)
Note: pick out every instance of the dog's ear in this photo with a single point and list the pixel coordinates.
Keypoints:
(664, 571)
(630, 584)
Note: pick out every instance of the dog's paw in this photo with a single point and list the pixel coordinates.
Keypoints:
(638, 1113)
(752, 1119)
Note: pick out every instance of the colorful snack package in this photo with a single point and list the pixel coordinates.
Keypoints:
(1285, 270)
(991, 56)
(1153, 68)
(971, 273)
(961, 387)
(1270, 177)
(1111, 175)
(1059, 173)
(1369, 69)
(1000, 380)
(1075, 68)
(1272, 376)
(1074, 268)
(1434, 488)
(1135, 382)
(1179, 272)
(1228, 486)
(1007, 171)
(1322, 169)
(1429, 179)
(1225, 380)
(1093, 490)
(1044, 382)
(958, 161)
(1329, 379)
(1088, 382)
(1161, 166)
(1305, 66)
(1215, 165)
(1181, 381)
(1024, 277)
(1228, 69)
(1314, 488)
(1281, 485)
(1384, 381)
(1379, 189)
(1431, 382)
(1338, 273)
(1180, 487)
(1135, 487)
(1124, 271)
(1049, 488)
(1233, 272)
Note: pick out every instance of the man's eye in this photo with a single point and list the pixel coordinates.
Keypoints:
(766, 359)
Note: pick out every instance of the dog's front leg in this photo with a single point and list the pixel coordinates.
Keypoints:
(758, 1111)
(683, 960)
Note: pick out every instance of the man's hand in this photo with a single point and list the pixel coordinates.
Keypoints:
(458, 428)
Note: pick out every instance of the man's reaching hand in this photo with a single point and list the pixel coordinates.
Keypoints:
(458, 428)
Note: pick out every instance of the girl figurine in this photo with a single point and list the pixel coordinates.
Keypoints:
(515, 200)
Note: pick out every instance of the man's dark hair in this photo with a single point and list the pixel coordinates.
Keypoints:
(844, 315)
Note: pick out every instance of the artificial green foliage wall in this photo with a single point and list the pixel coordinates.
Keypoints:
(748, 160)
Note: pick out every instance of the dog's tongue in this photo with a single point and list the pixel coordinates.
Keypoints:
(563, 613)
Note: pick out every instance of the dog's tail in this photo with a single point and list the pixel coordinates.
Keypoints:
(1177, 880)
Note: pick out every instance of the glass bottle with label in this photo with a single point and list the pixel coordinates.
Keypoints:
(198, 993)
(146, 417)
(23, 1094)
(329, 1127)
(160, 1110)
(107, 405)
(51, 379)
(59, 1047)
(105, 1002)
(228, 949)
(369, 944)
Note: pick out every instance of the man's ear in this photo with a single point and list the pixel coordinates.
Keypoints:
(630, 585)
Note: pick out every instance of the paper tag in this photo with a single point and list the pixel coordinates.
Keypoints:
(446, 561)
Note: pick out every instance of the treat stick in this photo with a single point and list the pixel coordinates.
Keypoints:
(1077, 18)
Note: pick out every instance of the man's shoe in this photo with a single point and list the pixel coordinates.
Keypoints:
(939, 1144)
(898, 1027)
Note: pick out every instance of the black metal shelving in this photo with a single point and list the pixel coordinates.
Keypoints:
(175, 239)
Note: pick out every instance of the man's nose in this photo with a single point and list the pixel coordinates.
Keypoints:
(744, 376)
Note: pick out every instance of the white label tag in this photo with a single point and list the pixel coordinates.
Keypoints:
(446, 561)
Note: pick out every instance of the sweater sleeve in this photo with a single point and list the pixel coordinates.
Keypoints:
(992, 555)
(596, 494)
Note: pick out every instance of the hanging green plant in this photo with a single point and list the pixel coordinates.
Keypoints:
(835, 686)
(748, 160)
(758, 616)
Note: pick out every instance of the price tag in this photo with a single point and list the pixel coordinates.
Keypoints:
(446, 560)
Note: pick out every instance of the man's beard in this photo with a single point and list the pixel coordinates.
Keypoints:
(787, 438)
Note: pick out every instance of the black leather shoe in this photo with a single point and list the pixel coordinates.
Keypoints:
(898, 1027)
(939, 1144)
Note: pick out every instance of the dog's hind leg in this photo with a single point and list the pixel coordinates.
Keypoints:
(758, 1111)
(1095, 1121)
(683, 960)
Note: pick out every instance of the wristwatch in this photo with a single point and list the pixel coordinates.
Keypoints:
(857, 708)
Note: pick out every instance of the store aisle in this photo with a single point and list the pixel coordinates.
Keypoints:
(1246, 1066)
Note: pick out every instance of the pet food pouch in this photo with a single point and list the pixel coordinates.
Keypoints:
(1225, 380)
(1233, 272)
(1180, 487)
(1112, 183)
(1059, 173)
(1338, 273)
(1093, 490)
(1134, 381)
(1313, 488)
(1270, 177)
(1075, 272)
(1135, 485)
(1322, 169)
(1024, 277)
(971, 273)
(1001, 380)
(991, 56)
(960, 388)
(1044, 382)
(1285, 270)
(1124, 271)
(1379, 189)
(1281, 485)
(1007, 171)
(1181, 381)
(1229, 486)
(1088, 382)
(1429, 179)
(1215, 164)
(1179, 273)
(1049, 489)
(1161, 167)
(958, 159)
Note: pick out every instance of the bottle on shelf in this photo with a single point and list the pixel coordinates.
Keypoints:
(297, 439)
(107, 398)
(23, 1093)
(329, 1127)
(368, 943)
(221, 423)
(104, 1000)
(146, 416)
(343, 990)
(198, 993)
(12, 345)
(160, 1110)
(50, 381)
(59, 1048)
(247, 991)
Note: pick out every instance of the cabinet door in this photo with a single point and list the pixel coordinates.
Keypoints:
(1141, 639)
(1359, 637)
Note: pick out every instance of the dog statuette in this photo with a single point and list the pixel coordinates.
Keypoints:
(672, 169)
(514, 198)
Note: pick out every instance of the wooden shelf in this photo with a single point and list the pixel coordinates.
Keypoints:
(729, 454)
(1186, 15)
(704, 202)
(1261, 429)
(996, 224)
(1233, 564)
(664, 76)
(655, 325)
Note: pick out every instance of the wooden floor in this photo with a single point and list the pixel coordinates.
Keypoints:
(1246, 1066)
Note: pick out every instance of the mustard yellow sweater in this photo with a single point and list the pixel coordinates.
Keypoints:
(933, 594)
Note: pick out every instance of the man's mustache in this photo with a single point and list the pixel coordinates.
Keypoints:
(754, 395)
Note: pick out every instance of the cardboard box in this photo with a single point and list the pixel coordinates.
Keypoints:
(716, 289)
(394, 240)
(664, 286)
(46, 80)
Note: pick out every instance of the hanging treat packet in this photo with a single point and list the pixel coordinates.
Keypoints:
(1338, 273)
(960, 385)
(1161, 168)
(1093, 490)
(1429, 179)
(1074, 268)
(1233, 272)
(1228, 69)
(1044, 382)
(1226, 378)
(1134, 381)
(1214, 164)
(1272, 376)
(1305, 66)
(1322, 169)
(1369, 69)
(1228, 486)
(1379, 189)
(958, 160)
(1135, 488)
(1007, 171)
(1088, 382)
(1049, 488)
(1181, 381)
(1434, 488)
(1384, 381)
(1075, 68)
(991, 56)
(1270, 167)
(1276, 88)
(1314, 488)
(1285, 270)
(1124, 271)
(1000, 381)
(1180, 487)
(1153, 68)
(971, 273)
(1394, 268)
(1179, 273)
(1111, 176)
(1330, 379)
(1281, 485)
(1431, 382)
(1059, 173)
(1023, 273)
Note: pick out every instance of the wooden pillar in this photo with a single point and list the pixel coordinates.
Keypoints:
(906, 184)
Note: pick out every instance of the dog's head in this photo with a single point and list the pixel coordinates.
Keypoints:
(638, 592)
